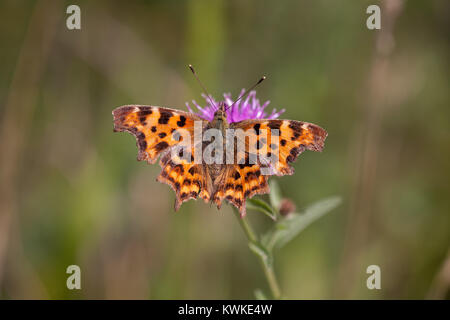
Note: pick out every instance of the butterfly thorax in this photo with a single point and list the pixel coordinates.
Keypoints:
(220, 119)
(219, 122)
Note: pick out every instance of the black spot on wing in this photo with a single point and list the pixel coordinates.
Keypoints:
(296, 126)
(143, 113)
(294, 153)
(193, 194)
(257, 127)
(142, 144)
(250, 175)
(161, 146)
(165, 116)
(275, 124)
(179, 168)
(140, 135)
(182, 121)
(193, 170)
(260, 143)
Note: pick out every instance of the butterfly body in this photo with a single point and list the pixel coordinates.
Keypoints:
(236, 177)
(221, 124)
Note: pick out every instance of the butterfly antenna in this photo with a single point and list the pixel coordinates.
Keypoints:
(201, 85)
(246, 92)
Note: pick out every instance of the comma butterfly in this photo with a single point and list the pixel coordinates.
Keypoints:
(194, 169)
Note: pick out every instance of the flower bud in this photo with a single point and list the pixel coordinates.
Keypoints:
(287, 207)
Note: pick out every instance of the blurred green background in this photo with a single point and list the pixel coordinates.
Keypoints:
(72, 191)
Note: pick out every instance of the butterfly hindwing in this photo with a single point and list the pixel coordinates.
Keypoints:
(188, 180)
(239, 182)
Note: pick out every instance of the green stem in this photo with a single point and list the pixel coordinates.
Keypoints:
(266, 265)
(248, 230)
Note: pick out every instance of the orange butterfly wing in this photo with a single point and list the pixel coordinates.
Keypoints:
(153, 127)
(239, 182)
(188, 180)
(292, 139)
(242, 181)
(157, 131)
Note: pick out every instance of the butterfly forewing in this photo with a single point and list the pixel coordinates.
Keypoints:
(283, 141)
(155, 128)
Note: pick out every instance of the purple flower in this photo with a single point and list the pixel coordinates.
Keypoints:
(249, 108)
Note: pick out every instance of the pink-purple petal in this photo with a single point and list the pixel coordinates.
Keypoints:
(250, 108)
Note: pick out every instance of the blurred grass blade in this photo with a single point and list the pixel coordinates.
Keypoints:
(287, 229)
(259, 295)
(262, 206)
(275, 194)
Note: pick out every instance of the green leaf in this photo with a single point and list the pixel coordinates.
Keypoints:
(288, 228)
(259, 295)
(275, 194)
(262, 206)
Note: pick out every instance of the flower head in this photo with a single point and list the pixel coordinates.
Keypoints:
(250, 108)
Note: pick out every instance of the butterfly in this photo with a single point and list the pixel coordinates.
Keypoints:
(155, 131)
(173, 136)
